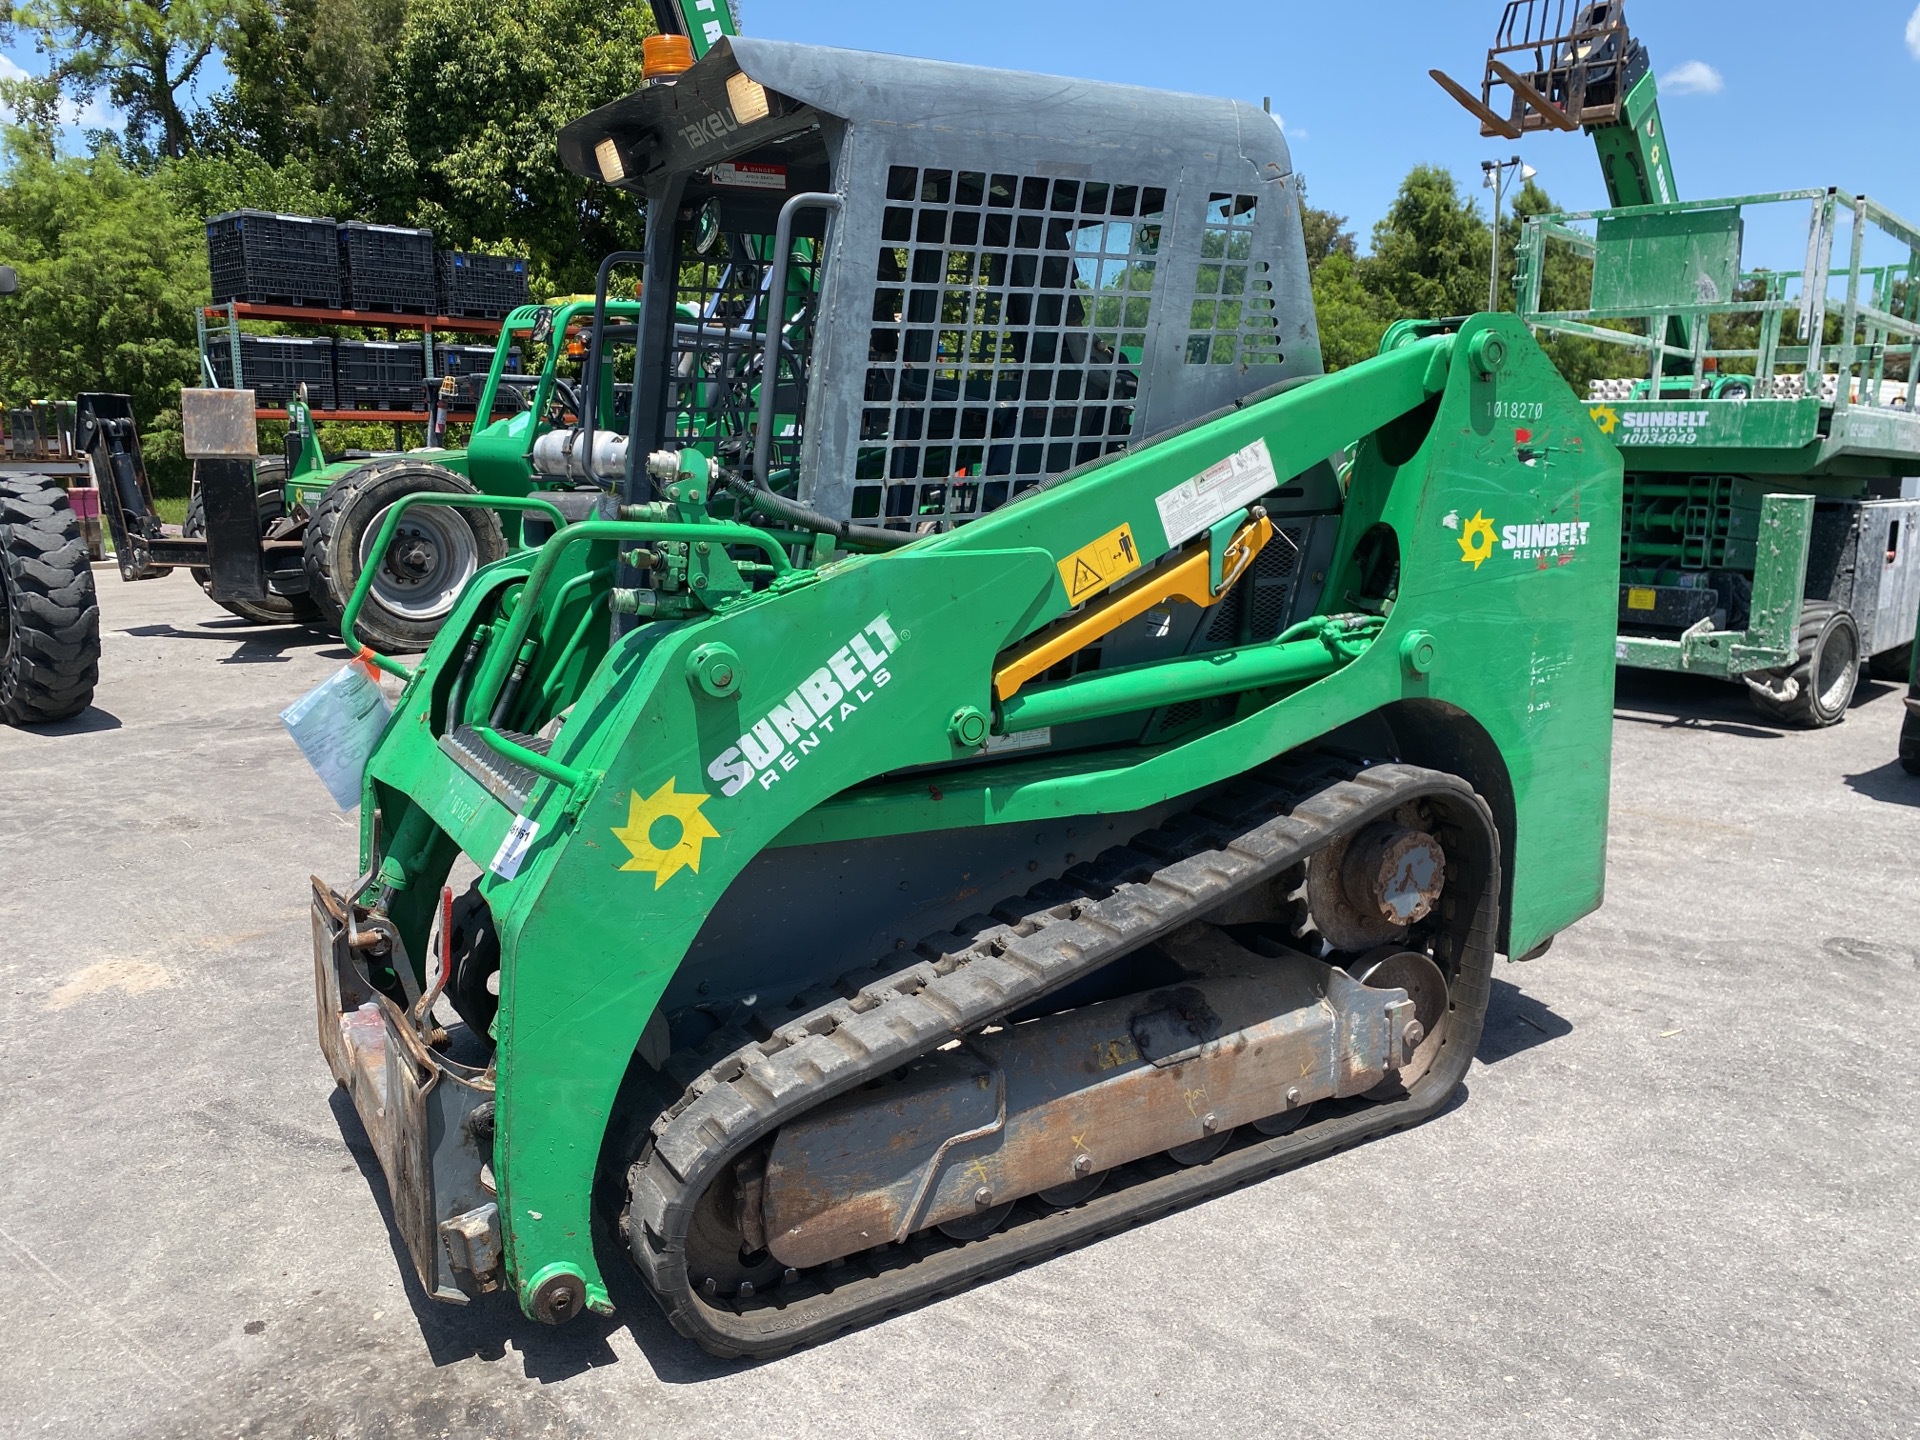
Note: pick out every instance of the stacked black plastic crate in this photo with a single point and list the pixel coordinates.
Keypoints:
(261, 258)
(380, 374)
(274, 367)
(481, 286)
(386, 267)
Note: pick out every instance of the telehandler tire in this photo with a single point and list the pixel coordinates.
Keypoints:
(49, 614)
(270, 479)
(435, 552)
(1815, 691)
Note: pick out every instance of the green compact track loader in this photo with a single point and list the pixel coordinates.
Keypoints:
(1078, 758)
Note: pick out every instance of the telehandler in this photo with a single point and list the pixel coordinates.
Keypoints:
(1080, 760)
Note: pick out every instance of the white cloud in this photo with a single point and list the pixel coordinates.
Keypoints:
(1693, 77)
(1913, 33)
(96, 114)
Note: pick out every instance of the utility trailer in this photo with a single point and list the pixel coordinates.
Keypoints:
(1029, 787)
(1772, 521)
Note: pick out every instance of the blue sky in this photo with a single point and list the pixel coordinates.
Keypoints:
(1350, 81)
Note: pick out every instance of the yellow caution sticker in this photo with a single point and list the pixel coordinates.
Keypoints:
(1639, 598)
(1092, 568)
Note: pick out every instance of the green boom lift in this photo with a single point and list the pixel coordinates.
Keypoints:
(1076, 759)
(1770, 514)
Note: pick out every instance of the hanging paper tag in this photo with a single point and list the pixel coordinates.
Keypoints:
(513, 847)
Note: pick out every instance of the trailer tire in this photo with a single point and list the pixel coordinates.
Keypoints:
(49, 613)
(270, 481)
(406, 604)
(1815, 691)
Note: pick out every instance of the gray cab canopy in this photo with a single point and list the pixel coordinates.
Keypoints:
(1025, 273)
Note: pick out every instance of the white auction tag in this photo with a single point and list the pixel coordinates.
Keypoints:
(1216, 492)
(513, 847)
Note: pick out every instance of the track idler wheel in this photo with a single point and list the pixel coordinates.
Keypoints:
(1389, 968)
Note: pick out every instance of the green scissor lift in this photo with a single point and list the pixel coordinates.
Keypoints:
(1769, 530)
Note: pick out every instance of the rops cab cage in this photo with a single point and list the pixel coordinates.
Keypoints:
(1030, 273)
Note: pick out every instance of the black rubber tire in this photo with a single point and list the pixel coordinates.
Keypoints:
(475, 950)
(342, 521)
(1910, 743)
(1815, 691)
(270, 481)
(49, 614)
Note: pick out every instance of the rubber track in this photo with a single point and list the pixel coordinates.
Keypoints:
(52, 657)
(993, 965)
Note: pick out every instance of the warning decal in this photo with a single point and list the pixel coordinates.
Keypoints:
(1216, 492)
(1092, 568)
(1639, 598)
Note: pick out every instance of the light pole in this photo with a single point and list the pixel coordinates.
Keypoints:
(1493, 176)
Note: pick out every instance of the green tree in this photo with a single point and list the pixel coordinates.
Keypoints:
(308, 78)
(1351, 317)
(1430, 255)
(466, 140)
(110, 272)
(1326, 233)
(146, 55)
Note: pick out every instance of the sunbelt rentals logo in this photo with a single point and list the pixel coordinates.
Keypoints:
(777, 743)
(666, 830)
(1481, 536)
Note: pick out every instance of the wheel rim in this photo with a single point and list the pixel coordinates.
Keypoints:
(1837, 663)
(432, 557)
(1409, 970)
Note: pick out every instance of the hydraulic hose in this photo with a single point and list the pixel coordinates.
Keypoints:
(805, 517)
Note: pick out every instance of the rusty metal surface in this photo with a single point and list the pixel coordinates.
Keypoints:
(218, 425)
(422, 1119)
(1049, 1103)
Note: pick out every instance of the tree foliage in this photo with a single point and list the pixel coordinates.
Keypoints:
(110, 271)
(145, 55)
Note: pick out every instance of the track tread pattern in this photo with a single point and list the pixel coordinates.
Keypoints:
(962, 980)
(51, 661)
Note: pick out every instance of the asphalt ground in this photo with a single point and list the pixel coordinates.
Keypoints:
(1678, 1198)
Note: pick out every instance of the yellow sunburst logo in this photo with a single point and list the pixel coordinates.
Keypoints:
(1476, 540)
(1605, 416)
(665, 861)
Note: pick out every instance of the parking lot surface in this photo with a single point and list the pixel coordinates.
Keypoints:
(1679, 1197)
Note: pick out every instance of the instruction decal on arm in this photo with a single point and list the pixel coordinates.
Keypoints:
(1216, 492)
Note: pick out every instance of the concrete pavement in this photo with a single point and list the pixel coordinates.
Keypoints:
(1679, 1198)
